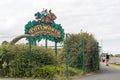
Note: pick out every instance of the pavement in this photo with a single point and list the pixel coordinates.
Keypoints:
(106, 73)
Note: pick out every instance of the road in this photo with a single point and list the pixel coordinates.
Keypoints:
(106, 73)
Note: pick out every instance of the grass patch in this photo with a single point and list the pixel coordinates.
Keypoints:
(115, 65)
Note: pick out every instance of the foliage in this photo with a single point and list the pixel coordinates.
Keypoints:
(103, 54)
(75, 51)
(14, 59)
(111, 55)
(117, 55)
(50, 71)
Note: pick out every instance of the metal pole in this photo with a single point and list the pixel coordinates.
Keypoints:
(66, 55)
(46, 43)
(98, 55)
(83, 56)
(34, 43)
(56, 49)
(30, 58)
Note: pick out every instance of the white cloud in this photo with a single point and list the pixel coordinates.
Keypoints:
(100, 17)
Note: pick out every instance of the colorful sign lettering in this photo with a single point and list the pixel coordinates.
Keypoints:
(44, 27)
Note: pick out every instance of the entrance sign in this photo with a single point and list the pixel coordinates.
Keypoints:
(44, 27)
(44, 30)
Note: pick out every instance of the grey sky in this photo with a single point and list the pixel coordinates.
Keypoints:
(99, 17)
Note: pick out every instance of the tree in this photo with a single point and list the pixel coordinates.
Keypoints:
(117, 55)
(75, 50)
(14, 59)
(103, 54)
(111, 55)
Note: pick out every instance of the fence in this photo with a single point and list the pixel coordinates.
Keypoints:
(82, 56)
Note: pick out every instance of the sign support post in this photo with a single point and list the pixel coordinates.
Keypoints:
(30, 58)
(46, 42)
(56, 49)
(43, 27)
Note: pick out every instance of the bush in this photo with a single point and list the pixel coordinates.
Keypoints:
(75, 51)
(48, 71)
(14, 59)
(51, 71)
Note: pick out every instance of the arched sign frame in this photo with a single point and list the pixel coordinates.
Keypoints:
(43, 27)
(42, 30)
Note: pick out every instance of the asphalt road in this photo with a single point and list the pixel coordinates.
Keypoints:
(106, 73)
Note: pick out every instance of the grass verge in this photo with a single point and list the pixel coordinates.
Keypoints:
(115, 65)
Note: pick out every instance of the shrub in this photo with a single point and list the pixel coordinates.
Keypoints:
(51, 71)
(14, 59)
(75, 50)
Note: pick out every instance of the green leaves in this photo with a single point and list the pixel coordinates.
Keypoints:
(49, 71)
(75, 51)
(14, 59)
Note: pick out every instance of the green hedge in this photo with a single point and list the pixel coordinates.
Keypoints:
(50, 71)
(14, 59)
(75, 53)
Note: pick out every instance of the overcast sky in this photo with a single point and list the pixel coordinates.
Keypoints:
(98, 17)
